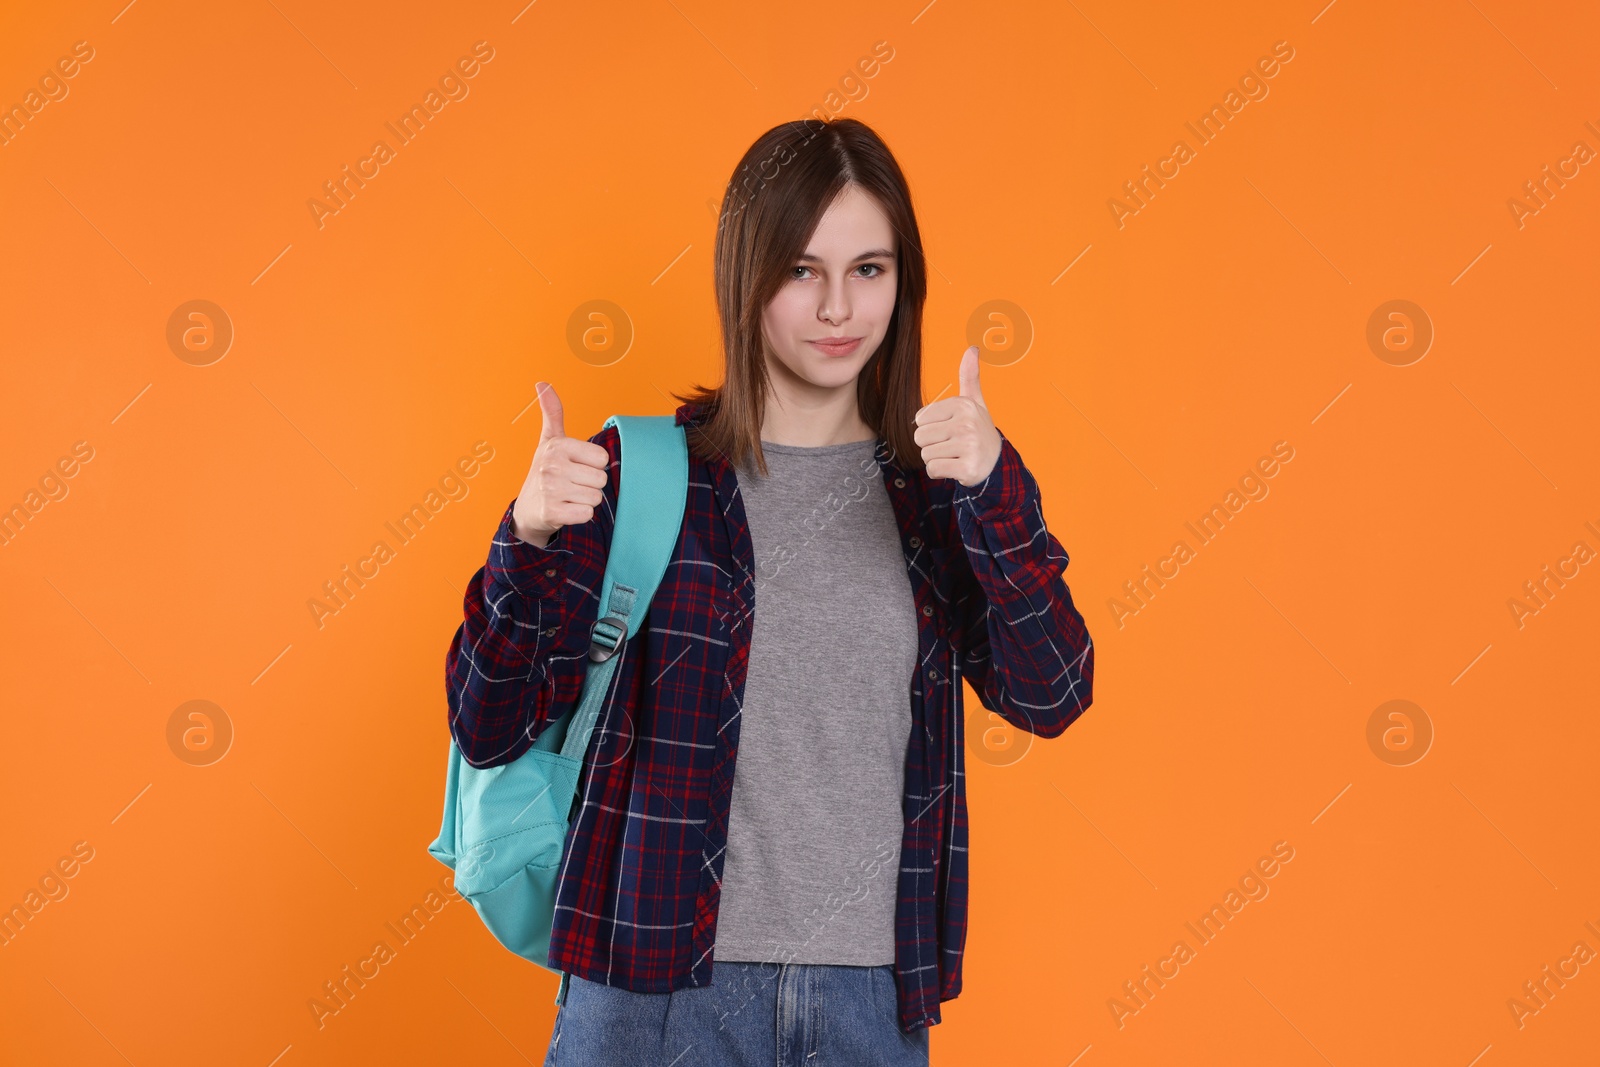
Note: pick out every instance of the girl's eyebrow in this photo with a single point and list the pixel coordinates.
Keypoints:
(876, 253)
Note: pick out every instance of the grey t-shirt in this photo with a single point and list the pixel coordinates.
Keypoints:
(815, 822)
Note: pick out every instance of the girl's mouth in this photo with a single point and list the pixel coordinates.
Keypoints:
(843, 346)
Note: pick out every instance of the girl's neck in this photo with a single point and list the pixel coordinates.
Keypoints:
(809, 417)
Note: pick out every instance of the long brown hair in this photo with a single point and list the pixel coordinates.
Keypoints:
(778, 194)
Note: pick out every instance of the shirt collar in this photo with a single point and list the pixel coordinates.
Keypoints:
(689, 412)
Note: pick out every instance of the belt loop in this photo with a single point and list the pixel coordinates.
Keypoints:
(561, 990)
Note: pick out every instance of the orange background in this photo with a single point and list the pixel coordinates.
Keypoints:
(1228, 314)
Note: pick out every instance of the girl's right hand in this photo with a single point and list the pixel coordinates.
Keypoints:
(565, 480)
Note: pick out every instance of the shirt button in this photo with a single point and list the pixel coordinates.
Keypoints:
(934, 675)
(927, 609)
(916, 542)
(899, 483)
(550, 572)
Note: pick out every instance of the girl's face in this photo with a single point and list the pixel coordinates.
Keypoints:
(842, 286)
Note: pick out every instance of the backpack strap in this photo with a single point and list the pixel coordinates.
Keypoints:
(651, 497)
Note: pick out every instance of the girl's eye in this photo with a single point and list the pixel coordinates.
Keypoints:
(865, 266)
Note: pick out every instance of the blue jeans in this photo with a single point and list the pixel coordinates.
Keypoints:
(751, 1015)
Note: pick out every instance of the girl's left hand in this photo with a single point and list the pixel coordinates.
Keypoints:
(957, 437)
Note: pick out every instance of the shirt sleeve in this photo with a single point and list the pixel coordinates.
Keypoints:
(518, 659)
(1023, 644)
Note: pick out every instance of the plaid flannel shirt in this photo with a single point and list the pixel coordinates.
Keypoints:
(637, 901)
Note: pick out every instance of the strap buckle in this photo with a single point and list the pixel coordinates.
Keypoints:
(604, 643)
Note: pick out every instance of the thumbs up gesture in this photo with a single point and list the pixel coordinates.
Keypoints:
(565, 481)
(957, 437)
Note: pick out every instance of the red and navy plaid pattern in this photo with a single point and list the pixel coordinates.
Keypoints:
(637, 898)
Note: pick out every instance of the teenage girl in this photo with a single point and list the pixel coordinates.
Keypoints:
(768, 861)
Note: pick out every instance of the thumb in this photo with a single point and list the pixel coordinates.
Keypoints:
(550, 405)
(969, 376)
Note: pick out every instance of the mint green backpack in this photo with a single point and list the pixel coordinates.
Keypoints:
(505, 827)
